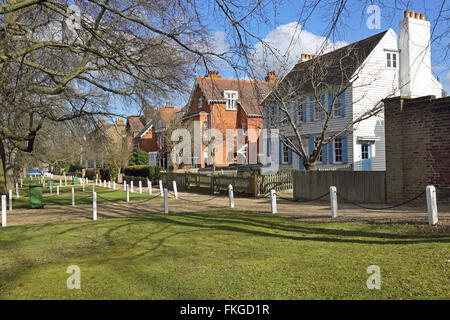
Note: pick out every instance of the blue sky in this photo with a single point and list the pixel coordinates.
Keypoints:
(352, 28)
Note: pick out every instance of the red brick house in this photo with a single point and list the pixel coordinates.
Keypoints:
(222, 104)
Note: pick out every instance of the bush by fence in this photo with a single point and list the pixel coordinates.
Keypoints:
(151, 172)
(109, 174)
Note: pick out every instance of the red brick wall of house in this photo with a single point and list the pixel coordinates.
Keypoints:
(148, 142)
(417, 147)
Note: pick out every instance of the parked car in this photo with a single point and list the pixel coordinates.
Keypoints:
(35, 173)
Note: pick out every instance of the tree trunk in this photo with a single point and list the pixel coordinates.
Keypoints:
(6, 167)
(311, 166)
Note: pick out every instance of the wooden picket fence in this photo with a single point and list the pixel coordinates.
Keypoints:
(253, 185)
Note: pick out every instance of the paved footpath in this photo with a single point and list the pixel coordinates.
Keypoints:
(188, 202)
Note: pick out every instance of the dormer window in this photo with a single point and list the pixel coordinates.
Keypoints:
(231, 97)
(200, 102)
(391, 60)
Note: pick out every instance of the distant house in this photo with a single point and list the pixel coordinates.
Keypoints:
(384, 65)
(152, 136)
(103, 143)
(222, 104)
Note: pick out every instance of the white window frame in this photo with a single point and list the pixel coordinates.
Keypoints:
(335, 154)
(285, 151)
(391, 57)
(318, 111)
(231, 101)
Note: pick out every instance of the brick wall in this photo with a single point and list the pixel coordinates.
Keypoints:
(417, 146)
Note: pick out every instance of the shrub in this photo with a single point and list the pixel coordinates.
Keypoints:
(109, 174)
(151, 172)
(138, 157)
(73, 168)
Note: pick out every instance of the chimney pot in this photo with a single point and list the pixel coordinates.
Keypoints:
(422, 16)
(417, 15)
(406, 14)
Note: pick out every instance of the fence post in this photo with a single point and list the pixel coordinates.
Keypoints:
(128, 193)
(166, 201)
(124, 184)
(10, 200)
(93, 188)
(17, 190)
(57, 190)
(73, 196)
(149, 186)
(109, 184)
(231, 195)
(140, 186)
(51, 187)
(175, 191)
(60, 182)
(94, 206)
(21, 183)
(333, 202)
(104, 183)
(82, 184)
(4, 210)
(132, 185)
(161, 192)
(431, 205)
(273, 201)
(65, 180)
(114, 185)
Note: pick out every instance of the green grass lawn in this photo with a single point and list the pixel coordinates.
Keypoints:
(223, 255)
(65, 196)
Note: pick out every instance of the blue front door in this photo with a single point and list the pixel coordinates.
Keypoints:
(365, 157)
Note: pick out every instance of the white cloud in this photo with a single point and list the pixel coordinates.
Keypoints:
(281, 49)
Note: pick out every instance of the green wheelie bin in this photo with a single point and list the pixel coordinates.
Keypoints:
(74, 180)
(36, 196)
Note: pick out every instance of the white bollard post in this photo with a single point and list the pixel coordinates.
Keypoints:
(333, 202)
(231, 195)
(10, 200)
(149, 186)
(17, 190)
(65, 180)
(109, 184)
(132, 185)
(166, 201)
(51, 188)
(128, 193)
(60, 182)
(83, 186)
(432, 205)
(73, 196)
(273, 201)
(114, 185)
(94, 206)
(175, 191)
(57, 190)
(124, 185)
(104, 183)
(3, 210)
(140, 186)
(93, 188)
(21, 183)
(161, 192)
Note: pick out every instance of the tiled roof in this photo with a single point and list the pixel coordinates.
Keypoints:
(329, 68)
(136, 123)
(250, 93)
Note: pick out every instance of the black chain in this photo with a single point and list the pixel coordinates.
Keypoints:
(298, 200)
(384, 208)
(194, 200)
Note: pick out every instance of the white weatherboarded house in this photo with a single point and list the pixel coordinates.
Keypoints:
(388, 65)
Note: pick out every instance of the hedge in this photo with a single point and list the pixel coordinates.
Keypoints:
(151, 172)
(109, 174)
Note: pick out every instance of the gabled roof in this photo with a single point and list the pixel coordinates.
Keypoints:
(250, 93)
(333, 67)
(136, 123)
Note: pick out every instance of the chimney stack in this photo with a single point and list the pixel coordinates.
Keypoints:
(306, 57)
(214, 74)
(271, 77)
(169, 105)
(415, 55)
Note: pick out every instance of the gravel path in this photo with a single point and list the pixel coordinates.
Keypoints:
(188, 202)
